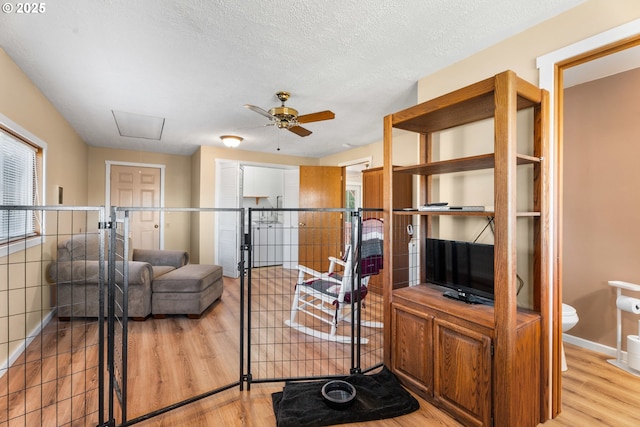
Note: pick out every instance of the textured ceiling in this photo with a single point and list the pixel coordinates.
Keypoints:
(196, 63)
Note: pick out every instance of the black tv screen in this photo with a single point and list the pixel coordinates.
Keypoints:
(465, 267)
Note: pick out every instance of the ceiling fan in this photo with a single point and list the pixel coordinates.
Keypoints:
(287, 118)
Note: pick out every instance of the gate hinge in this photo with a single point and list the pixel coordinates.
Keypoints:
(105, 225)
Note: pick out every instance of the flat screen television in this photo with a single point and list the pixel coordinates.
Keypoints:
(464, 267)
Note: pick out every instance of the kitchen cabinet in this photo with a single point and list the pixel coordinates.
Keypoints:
(267, 244)
(261, 182)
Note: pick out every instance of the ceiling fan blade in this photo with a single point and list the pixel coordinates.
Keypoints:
(299, 130)
(316, 117)
(259, 111)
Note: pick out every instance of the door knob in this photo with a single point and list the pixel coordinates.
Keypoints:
(301, 224)
(156, 226)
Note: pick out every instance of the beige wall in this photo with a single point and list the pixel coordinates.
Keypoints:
(405, 150)
(24, 293)
(204, 175)
(177, 173)
(601, 201)
(177, 225)
(190, 182)
(22, 102)
(196, 180)
(519, 54)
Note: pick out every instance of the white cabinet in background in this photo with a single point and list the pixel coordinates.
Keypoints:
(261, 182)
(266, 240)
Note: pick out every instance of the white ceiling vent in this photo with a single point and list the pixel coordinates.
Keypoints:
(138, 125)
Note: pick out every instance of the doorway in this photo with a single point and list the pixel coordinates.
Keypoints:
(552, 69)
(138, 185)
(354, 198)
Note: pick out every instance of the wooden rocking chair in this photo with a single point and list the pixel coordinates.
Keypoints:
(333, 297)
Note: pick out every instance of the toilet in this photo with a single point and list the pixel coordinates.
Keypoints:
(569, 320)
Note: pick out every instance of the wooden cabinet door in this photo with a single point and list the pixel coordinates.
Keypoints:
(412, 358)
(372, 186)
(320, 233)
(372, 182)
(462, 372)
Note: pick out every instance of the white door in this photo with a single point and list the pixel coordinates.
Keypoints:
(290, 199)
(138, 186)
(227, 234)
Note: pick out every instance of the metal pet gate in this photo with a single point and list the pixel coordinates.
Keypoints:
(71, 370)
(283, 243)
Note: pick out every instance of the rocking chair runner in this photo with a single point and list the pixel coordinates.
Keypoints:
(328, 296)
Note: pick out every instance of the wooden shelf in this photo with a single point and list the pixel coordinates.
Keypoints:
(454, 364)
(483, 161)
(467, 105)
(423, 331)
(431, 295)
(460, 213)
(256, 197)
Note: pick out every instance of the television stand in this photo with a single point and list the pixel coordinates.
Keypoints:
(464, 297)
(445, 355)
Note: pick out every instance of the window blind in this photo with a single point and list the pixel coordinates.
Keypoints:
(18, 169)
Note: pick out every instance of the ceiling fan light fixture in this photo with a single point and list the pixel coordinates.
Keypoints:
(287, 118)
(231, 141)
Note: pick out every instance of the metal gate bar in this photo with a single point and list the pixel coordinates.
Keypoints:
(109, 333)
(119, 320)
(51, 373)
(276, 351)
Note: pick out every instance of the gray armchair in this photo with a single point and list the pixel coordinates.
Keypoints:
(162, 261)
(76, 270)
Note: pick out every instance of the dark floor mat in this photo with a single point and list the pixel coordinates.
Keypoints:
(378, 396)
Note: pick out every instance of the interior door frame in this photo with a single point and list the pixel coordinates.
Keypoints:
(551, 67)
(107, 181)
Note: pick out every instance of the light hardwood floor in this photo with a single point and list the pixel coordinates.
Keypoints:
(176, 358)
(595, 394)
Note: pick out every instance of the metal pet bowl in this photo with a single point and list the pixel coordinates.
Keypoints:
(338, 394)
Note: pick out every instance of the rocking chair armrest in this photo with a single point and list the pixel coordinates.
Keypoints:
(334, 261)
(302, 271)
(306, 271)
(310, 271)
(339, 261)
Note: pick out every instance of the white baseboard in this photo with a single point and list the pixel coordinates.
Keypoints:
(21, 348)
(590, 345)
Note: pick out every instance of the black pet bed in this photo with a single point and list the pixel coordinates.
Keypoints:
(378, 396)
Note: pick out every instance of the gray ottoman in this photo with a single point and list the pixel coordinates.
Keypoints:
(186, 290)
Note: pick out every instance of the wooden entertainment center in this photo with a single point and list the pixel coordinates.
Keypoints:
(487, 365)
